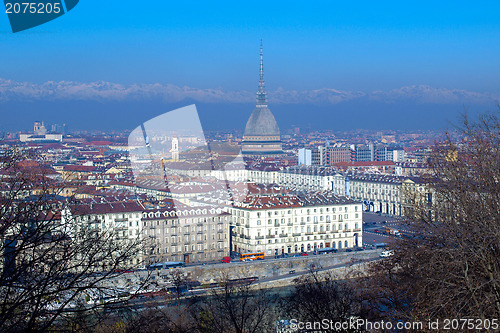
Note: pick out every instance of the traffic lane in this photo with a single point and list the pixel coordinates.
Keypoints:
(372, 221)
(384, 228)
(374, 217)
(315, 269)
(372, 238)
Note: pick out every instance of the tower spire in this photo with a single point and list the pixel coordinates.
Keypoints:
(261, 93)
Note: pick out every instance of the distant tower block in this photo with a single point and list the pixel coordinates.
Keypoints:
(175, 148)
(262, 135)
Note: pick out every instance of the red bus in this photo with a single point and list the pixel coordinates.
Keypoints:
(252, 256)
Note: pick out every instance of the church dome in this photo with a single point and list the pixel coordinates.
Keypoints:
(262, 122)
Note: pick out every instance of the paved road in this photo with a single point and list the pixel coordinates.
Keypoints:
(162, 301)
(320, 269)
(374, 227)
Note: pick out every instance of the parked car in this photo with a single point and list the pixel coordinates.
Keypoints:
(386, 253)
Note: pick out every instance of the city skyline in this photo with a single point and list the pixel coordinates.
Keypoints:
(348, 66)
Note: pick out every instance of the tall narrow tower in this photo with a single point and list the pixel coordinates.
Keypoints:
(262, 134)
(175, 148)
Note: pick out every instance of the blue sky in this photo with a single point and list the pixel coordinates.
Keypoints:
(384, 57)
(352, 45)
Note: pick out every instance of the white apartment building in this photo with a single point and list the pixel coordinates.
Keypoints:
(312, 179)
(378, 193)
(296, 223)
(123, 218)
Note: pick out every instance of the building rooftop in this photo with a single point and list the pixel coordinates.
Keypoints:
(262, 123)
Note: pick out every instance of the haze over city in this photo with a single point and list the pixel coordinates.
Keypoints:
(328, 65)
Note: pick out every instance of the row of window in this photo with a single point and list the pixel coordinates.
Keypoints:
(194, 238)
(309, 229)
(302, 248)
(240, 213)
(190, 248)
(321, 218)
(193, 257)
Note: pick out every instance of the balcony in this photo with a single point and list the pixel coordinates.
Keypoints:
(290, 224)
(259, 237)
(356, 230)
(309, 233)
(270, 236)
(296, 234)
(302, 223)
(322, 232)
(283, 235)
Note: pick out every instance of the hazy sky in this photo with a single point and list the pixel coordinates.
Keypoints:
(351, 45)
(384, 60)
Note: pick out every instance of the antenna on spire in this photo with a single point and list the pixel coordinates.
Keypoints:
(261, 93)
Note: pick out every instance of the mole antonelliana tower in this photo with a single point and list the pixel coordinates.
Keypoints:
(262, 135)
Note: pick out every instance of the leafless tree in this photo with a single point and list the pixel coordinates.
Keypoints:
(178, 279)
(50, 268)
(236, 307)
(319, 296)
(451, 268)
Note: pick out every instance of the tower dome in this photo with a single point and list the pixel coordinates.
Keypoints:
(262, 122)
(262, 134)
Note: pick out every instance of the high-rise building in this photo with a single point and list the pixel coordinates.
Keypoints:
(305, 157)
(262, 134)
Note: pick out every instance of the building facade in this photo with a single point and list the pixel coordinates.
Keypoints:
(188, 235)
(295, 223)
(192, 235)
